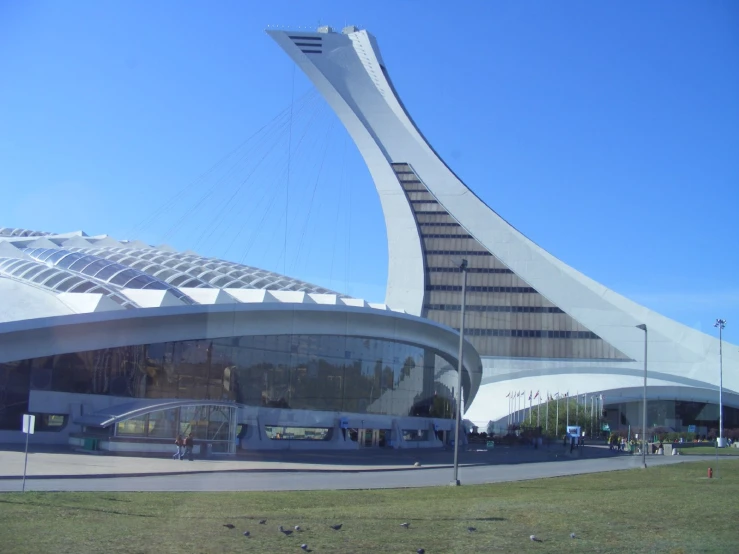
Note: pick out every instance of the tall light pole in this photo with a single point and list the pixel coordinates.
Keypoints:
(720, 323)
(463, 268)
(643, 327)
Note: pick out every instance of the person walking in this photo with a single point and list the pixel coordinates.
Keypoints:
(179, 443)
(188, 447)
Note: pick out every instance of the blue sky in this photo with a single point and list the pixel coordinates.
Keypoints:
(606, 132)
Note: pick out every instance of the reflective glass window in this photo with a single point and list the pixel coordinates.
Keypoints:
(69, 260)
(158, 285)
(138, 283)
(82, 287)
(53, 281)
(108, 271)
(29, 271)
(123, 277)
(42, 276)
(68, 283)
(79, 264)
(56, 255)
(95, 267)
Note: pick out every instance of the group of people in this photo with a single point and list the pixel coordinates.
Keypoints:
(616, 443)
(184, 447)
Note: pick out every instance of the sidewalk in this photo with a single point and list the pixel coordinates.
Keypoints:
(66, 464)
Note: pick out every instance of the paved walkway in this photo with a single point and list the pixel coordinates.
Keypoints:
(63, 463)
(309, 471)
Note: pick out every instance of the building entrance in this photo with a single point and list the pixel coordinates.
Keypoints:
(374, 438)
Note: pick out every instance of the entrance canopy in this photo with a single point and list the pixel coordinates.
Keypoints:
(133, 410)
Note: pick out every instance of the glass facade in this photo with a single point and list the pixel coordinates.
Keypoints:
(674, 414)
(506, 317)
(311, 372)
(207, 423)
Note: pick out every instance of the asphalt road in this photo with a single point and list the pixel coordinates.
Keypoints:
(266, 480)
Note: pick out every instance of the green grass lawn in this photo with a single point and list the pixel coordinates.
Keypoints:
(708, 451)
(662, 509)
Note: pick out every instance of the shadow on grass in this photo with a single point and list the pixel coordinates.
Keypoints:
(80, 508)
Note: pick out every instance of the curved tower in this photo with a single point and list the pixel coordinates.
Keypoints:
(539, 324)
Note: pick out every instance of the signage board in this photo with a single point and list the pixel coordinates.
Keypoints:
(344, 423)
(691, 428)
(29, 424)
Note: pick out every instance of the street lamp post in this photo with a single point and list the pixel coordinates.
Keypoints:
(720, 323)
(463, 268)
(643, 327)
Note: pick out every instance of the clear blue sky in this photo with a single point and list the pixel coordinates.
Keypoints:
(608, 132)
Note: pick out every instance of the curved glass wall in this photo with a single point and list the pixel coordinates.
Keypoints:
(309, 372)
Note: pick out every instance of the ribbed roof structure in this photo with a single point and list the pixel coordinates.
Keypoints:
(77, 273)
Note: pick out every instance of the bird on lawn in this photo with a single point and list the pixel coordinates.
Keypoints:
(405, 525)
(420, 551)
(533, 538)
(285, 532)
(262, 521)
(247, 534)
(297, 528)
(336, 527)
(229, 525)
(572, 535)
(471, 529)
(304, 547)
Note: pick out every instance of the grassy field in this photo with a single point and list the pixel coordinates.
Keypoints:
(708, 451)
(666, 509)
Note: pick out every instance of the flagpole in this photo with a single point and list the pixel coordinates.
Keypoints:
(567, 407)
(530, 393)
(577, 402)
(547, 419)
(556, 424)
(538, 411)
(521, 408)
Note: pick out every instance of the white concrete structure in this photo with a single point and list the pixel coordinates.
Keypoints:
(130, 344)
(539, 325)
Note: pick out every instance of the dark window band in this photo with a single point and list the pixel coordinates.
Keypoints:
(458, 253)
(304, 38)
(469, 270)
(446, 236)
(530, 333)
(498, 309)
(475, 288)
